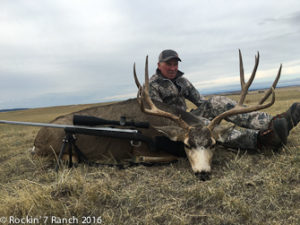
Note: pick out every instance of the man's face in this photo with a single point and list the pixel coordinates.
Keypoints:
(169, 68)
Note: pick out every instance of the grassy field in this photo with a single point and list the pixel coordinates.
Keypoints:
(256, 188)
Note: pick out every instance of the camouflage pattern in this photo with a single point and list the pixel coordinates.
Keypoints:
(219, 104)
(174, 92)
(235, 137)
(239, 138)
(249, 124)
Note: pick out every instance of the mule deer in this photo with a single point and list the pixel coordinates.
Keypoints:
(166, 120)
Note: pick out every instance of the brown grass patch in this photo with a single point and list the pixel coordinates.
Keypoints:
(245, 188)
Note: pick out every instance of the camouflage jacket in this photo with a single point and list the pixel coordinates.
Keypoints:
(174, 92)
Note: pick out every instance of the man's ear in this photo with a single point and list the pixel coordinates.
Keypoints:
(173, 132)
(158, 65)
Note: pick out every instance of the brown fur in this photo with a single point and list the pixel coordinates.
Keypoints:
(101, 148)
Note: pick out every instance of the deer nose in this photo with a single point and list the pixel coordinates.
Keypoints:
(203, 175)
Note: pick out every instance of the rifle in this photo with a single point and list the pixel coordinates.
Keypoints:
(82, 125)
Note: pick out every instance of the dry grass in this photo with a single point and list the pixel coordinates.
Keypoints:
(245, 188)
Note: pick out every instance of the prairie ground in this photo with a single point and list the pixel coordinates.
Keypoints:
(245, 188)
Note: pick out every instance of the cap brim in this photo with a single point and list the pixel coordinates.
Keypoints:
(169, 58)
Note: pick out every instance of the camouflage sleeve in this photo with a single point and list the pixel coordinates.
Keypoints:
(154, 92)
(191, 93)
(195, 97)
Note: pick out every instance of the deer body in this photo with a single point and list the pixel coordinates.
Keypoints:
(101, 148)
(166, 120)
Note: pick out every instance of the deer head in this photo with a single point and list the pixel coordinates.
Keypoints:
(198, 139)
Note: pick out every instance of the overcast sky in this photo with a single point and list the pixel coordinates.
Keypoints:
(60, 52)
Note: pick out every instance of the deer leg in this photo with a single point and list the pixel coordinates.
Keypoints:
(175, 148)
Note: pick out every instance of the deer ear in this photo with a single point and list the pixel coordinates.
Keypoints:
(220, 132)
(173, 132)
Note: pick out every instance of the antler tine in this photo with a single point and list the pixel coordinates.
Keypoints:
(273, 86)
(245, 86)
(239, 109)
(253, 72)
(135, 77)
(140, 89)
(242, 76)
(146, 86)
(143, 95)
(138, 96)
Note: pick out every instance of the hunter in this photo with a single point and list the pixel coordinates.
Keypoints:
(257, 129)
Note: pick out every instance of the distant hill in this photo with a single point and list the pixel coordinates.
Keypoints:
(235, 88)
(14, 109)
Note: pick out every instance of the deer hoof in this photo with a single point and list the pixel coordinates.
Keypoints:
(203, 176)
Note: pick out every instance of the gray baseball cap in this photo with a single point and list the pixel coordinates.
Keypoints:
(168, 54)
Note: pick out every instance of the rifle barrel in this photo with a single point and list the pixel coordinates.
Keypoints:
(64, 126)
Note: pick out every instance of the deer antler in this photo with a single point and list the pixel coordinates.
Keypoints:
(139, 86)
(143, 96)
(239, 108)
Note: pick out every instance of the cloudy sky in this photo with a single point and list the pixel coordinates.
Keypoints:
(58, 52)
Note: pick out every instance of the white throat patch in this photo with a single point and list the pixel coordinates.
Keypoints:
(200, 159)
